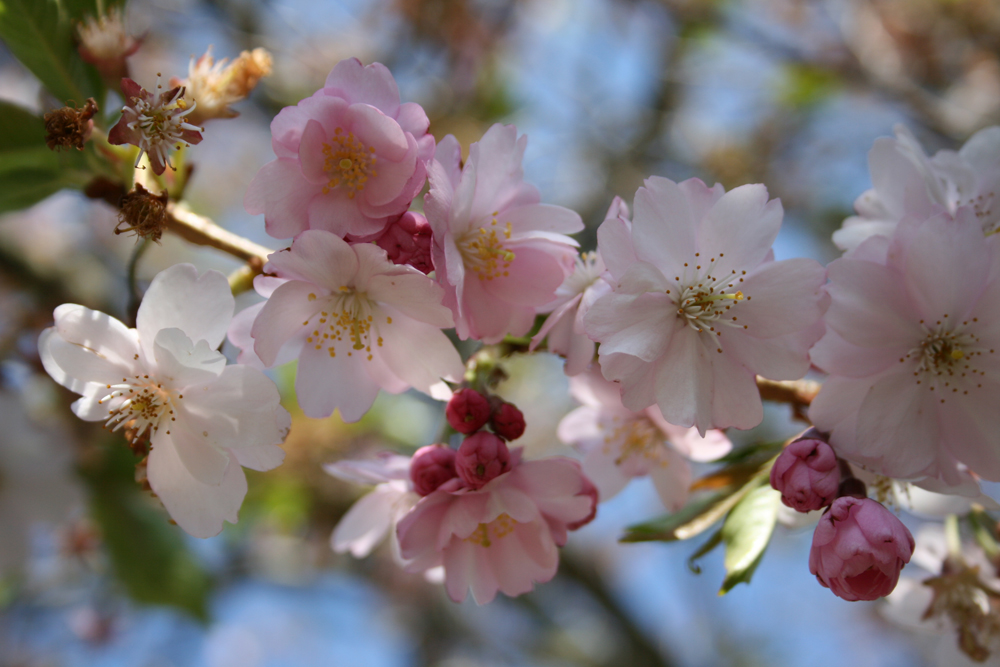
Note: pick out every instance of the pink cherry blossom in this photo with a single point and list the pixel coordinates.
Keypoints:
(374, 516)
(165, 378)
(350, 158)
(859, 548)
(355, 321)
(507, 421)
(911, 351)
(502, 537)
(482, 457)
(807, 474)
(468, 411)
(905, 181)
(564, 326)
(498, 252)
(154, 123)
(619, 444)
(699, 306)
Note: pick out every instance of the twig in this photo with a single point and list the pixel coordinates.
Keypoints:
(797, 393)
(200, 230)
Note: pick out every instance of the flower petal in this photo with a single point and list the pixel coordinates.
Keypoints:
(200, 306)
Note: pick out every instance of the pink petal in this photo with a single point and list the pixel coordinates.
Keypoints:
(312, 160)
(419, 354)
(785, 297)
(487, 317)
(197, 508)
(898, 423)
(533, 278)
(599, 466)
(641, 326)
(413, 294)
(735, 398)
(282, 194)
(377, 130)
(367, 523)
(372, 84)
(184, 362)
(672, 480)
(836, 356)
(870, 306)
(324, 383)
(316, 257)
(684, 381)
(79, 369)
(200, 306)
(663, 229)
(614, 242)
(205, 462)
(742, 225)
(541, 217)
(336, 212)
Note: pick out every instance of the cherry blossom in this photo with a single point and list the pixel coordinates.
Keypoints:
(165, 380)
(374, 515)
(699, 306)
(498, 252)
(564, 326)
(154, 123)
(911, 351)
(355, 321)
(350, 158)
(503, 536)
(619, 444)
(905, 181)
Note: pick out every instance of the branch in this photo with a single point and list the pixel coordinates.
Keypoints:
(200, 230)
(797, 393)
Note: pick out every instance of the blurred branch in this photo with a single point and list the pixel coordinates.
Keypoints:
(200, 230)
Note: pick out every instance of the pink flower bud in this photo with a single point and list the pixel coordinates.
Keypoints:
(482, 457)
(858, 549)
(468, 411)
(508, 422)
(588, 490)
(408, 241)
(430, 467)
(806, 474)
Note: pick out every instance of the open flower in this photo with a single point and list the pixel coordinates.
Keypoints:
(350, 158)
(155, 123)
(165, 381)
(911, 349)
(498, 253)
(585, 285)
(699, 306)
(501, 537)
(905, 181)
(619, 444)
(355, 321)
(214, 86)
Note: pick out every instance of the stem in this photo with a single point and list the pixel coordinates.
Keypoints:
(797, 393)
(200, 230)
(134, 298)
(952, 537)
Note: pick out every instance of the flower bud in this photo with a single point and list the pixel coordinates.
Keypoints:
(482, 457)
(807, 475)
(858, 549)
(467, 411)
(507, 421)
(408, 241)
(430, 467)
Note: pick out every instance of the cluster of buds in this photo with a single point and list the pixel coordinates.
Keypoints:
(483, 455)
(859, 546)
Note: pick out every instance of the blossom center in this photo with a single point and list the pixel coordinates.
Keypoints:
(161, 125)
(637, 443)
(348, 163)
(345, 321)
(483, 250)
(140, 404)
(945, 359)
(585, 273)
(705, 300)
(486, 534)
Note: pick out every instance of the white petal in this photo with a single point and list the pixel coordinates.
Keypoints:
(201, 307)
(367, 523)
(181, 362)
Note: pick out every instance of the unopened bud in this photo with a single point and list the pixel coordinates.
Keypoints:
(213, 86)
(430, 467)
(143, 213)
(408, 241)
(482, 457)
(807, 475)
(468, 411)
(69, 127)
(507, 421)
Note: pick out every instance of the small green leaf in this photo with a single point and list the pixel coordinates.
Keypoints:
(747, 532)
(984, 530)
(693, 519)
(40, 35)
(710, 544)
(148, 555)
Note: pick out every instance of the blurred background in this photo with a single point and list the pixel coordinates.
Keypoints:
(790, 93)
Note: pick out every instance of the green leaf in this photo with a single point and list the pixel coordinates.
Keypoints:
(693, 519)
(710, 544)
(41, 37)
(747, 532)
(984, 531)
(29, 171)
(148, 555)
(804, 86)
(78, 10)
